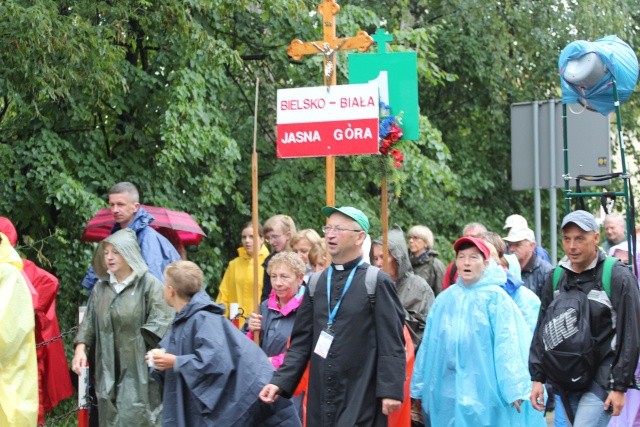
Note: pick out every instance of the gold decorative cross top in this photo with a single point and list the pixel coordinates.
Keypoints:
(328, 47)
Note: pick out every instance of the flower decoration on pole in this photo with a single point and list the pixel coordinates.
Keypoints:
(390, 133)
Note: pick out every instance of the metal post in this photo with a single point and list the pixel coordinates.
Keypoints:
(536, 170)
(83, 384)
(553, 232)
(565, 153)
(631, 232)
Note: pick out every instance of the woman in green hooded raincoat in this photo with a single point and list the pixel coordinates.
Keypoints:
(126, 317)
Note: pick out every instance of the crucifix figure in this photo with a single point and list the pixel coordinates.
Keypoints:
(328, 47)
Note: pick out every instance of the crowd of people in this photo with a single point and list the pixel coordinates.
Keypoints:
(342, 334)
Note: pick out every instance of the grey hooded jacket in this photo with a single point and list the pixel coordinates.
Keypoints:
(414, 293)
(120, 327)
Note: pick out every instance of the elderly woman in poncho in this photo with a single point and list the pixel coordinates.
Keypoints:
(472, 367)
(126, 316)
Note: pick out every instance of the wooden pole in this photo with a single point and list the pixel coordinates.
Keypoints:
(329, 9)
(254, 214)
(385, 223)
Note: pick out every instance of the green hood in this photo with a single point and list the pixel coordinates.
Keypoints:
(125, 242)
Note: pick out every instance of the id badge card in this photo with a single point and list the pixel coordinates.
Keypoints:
(323, 344)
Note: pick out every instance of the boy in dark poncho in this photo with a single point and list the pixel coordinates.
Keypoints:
(212, 373)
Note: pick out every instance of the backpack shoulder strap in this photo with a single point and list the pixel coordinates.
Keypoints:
(313, 282)
(607, 268)
(370, 280)
(557, 275)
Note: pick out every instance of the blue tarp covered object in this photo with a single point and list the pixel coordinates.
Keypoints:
(621, 64)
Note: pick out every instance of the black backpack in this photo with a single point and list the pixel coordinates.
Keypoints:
(568, 359)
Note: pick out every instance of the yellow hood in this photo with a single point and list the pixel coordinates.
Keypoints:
(8, 255)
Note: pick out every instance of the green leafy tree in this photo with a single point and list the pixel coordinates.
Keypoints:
(162, 94)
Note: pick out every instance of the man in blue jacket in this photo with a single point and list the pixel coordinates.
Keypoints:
(157, 251)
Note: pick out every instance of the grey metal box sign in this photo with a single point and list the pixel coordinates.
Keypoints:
(589, 145)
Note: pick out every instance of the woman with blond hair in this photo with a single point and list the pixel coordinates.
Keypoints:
(424, 259)
(302, 243)
(319, 256)
(278, 231)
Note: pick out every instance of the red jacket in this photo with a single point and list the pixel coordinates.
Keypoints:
(54, 382)
(402, 417)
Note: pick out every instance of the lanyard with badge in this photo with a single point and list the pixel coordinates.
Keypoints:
(326, 336)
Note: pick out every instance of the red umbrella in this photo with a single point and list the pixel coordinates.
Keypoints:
(172, 224)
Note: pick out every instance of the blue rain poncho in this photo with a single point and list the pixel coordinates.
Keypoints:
(621, 63)
(472, 364)
(526, 300)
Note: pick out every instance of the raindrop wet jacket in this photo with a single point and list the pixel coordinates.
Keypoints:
(218, 373)
(473, 363)
(120, 328)
(18, 365)
(157, 251)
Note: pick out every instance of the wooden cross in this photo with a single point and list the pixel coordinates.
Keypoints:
(328, 47)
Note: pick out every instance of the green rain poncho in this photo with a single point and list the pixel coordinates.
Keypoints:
(120, 328)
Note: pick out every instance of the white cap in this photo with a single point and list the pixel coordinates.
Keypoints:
(520, 234)
(515, 221)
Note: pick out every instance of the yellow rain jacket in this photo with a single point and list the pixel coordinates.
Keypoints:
(18, 365)
(237, 283)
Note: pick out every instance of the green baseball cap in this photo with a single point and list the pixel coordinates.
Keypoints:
(355, 214)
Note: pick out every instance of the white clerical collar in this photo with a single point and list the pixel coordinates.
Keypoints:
(347, 265)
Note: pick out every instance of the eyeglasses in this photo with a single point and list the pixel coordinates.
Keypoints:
(328, 229)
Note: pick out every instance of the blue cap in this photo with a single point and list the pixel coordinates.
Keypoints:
(582, 219)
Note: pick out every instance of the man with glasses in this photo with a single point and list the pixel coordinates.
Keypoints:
(352, 338)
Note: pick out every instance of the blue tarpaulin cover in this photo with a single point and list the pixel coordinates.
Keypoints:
(621, 63)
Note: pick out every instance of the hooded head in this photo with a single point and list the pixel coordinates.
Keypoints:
(8, 255)
(398, 250)
(7, 228)
(124, 241)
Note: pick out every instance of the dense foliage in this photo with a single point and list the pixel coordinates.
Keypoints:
(162, 94)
